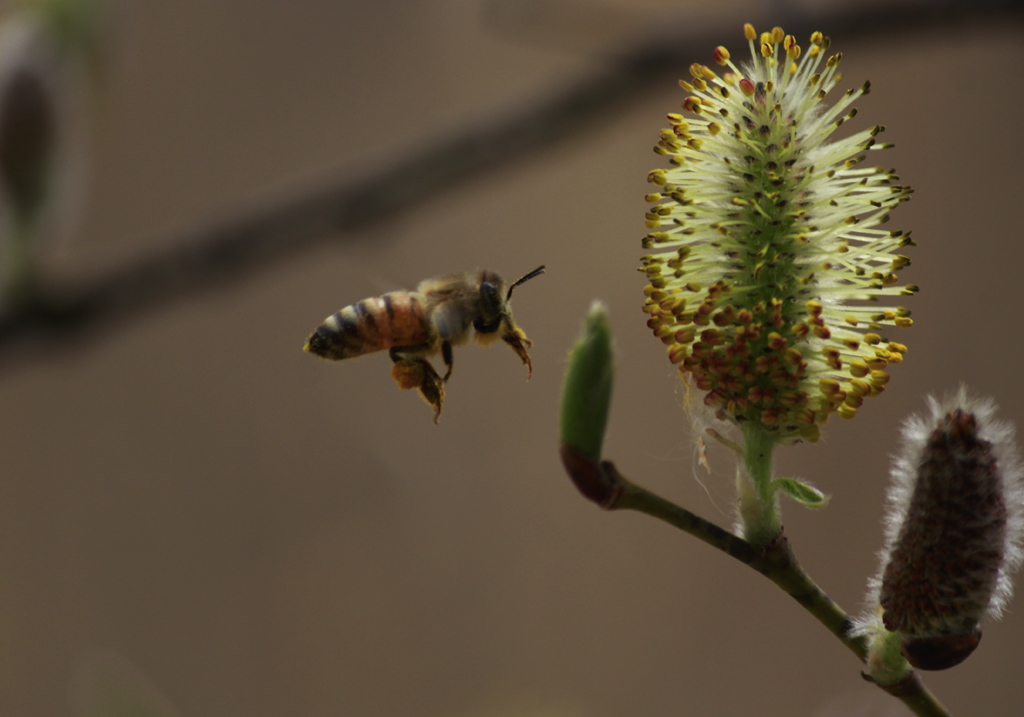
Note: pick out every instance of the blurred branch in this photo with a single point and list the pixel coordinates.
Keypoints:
(270, 230)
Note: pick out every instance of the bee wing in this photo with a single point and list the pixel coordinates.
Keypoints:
(451, 321)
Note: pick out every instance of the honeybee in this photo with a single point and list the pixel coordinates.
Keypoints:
(443, 312)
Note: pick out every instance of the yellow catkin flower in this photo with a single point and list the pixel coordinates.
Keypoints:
(768, 232)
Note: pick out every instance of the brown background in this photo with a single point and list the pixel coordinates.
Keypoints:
(191, 498)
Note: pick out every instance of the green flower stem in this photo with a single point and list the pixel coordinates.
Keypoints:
(777, 562)
(886, 664)
(915, 695)
(758, 502)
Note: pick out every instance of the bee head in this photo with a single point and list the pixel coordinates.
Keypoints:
(495, 319)
(494, 312)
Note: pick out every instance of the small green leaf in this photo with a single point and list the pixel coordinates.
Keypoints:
(806, 495)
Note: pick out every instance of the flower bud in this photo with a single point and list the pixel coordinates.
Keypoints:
(587, 391)
(586, 398)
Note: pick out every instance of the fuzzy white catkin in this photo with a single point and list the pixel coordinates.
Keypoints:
(916, 433)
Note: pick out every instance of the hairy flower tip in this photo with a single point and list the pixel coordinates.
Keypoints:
(765, 241)
(954, 530)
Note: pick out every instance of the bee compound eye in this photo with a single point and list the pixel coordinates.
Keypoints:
(490, 302)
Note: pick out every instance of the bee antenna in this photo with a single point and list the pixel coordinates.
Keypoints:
(536, 272)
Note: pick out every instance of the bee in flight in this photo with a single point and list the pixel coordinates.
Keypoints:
(443, 312)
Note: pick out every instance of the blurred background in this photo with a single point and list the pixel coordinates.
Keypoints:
(195, 512)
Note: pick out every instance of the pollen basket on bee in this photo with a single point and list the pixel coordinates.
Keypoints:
(395, 319)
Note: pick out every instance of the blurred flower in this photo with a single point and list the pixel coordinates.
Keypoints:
(47, 51)
(766, 244)
(954, 531)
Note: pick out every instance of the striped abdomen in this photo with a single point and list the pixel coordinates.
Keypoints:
(395, 319)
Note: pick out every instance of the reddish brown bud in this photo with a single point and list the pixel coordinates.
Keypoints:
(590, 477)
(939, 653)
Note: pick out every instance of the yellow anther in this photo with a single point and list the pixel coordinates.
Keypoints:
(858, 388)
(686, 335)
(853, 401)
(804, 417)
(677, 352)
(830, 387)
(859, 369)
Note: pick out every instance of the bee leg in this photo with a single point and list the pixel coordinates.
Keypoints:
(446, 355)
(415, 372)
(518, 342)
